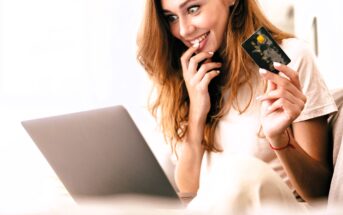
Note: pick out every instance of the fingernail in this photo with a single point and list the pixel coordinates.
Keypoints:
(277, 64)
(211, 53)
(262, 71)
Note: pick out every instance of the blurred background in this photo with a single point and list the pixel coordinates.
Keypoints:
(67, 56)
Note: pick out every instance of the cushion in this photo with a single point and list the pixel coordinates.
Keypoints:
(336, 124)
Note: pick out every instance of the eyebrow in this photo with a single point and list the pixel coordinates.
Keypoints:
(180, 6)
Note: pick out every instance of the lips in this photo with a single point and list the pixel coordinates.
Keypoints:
(199, 39)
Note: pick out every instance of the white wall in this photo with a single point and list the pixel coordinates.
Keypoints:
(280, 13)
(69, 52)
(329, 25)
(330, 30)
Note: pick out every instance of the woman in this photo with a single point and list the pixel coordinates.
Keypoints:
(214, 102)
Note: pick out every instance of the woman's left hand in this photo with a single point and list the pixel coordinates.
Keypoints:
(282, 103)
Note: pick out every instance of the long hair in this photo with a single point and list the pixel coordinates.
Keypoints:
(159, 53)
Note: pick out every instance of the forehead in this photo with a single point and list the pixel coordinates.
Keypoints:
(170, 5)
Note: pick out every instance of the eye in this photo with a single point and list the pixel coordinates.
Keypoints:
(171, 18)
(193, 9)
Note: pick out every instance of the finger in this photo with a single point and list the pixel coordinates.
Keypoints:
(208, 78)
(186, 56)
(206, 68)
(281, 82)
(288, 72)
(196, 59)
(292, 110)
(281, 93)
(289, 92)
(270, 84)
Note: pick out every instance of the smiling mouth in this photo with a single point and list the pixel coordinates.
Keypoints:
(200, 39)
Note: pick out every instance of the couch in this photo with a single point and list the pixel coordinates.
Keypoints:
(336, 127)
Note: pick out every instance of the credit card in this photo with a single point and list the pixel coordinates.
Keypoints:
(264, 50)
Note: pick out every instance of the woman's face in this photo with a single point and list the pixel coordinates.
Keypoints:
(198, 21)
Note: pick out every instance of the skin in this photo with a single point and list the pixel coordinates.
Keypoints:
(281, 104)
(308, 164)
(189, 19)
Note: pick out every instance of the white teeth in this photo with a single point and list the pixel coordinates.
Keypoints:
(198, 40)
(196, 45)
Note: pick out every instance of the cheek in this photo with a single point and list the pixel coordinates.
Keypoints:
(174, 30)
(219, 23)
(210, 20)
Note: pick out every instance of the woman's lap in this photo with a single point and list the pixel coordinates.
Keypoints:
(248, 184)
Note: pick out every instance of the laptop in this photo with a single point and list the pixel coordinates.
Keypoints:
(100, 153)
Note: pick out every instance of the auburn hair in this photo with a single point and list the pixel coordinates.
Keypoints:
(159, 53)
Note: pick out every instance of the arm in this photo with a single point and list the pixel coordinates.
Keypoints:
(187, 170)
(307, 163)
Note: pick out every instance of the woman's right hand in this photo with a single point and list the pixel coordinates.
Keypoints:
(187, 171)
(197, 81)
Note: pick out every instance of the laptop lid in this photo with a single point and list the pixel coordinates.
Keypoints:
(99, 153)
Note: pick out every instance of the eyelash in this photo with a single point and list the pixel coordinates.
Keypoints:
(191, 7)
(173, 18)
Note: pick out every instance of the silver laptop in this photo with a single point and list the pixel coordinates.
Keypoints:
(99, 153)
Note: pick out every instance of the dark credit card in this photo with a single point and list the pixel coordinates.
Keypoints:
(263, 49)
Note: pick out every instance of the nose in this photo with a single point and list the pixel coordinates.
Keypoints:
(186, 28)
